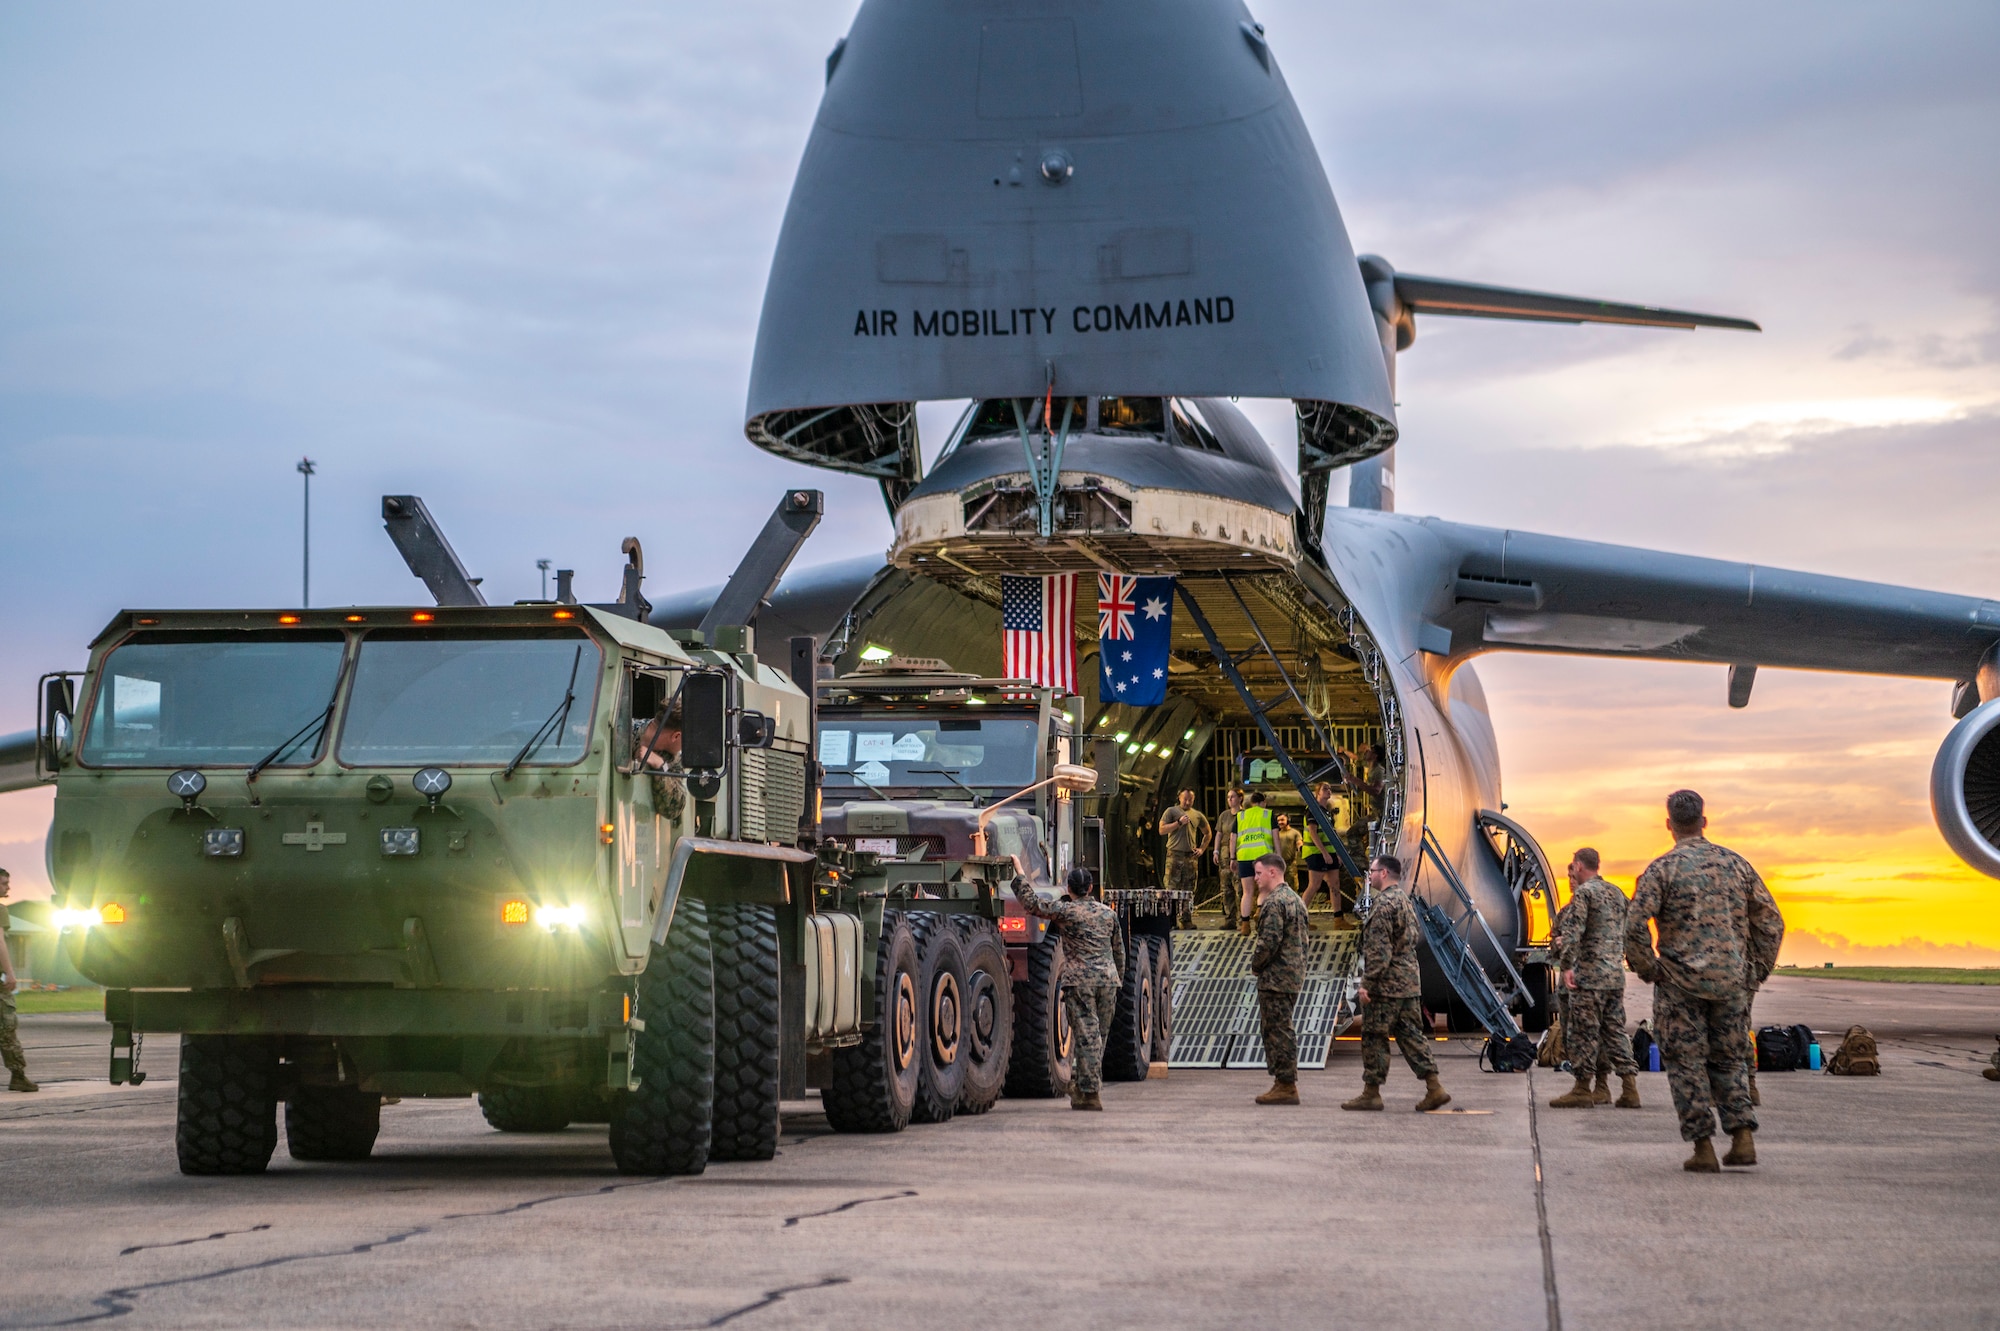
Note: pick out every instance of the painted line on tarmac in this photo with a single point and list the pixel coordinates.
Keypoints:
(1542, 1214)
(793, 1220)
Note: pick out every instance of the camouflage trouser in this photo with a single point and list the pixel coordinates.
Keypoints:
(1090, 1008)
(10, 1036)
(1402, 1019)
(1181, 871)
(1594, 1033)
(1281, 1037)
(1705, 1048)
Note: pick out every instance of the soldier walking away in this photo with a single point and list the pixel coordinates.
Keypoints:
(1390, 990)
(1279, 959)
(1225, 856)
(1092, 963)
(10, 1022)
(1186, 831)
(1719, 932)
(1591, 960)
(1256, 837)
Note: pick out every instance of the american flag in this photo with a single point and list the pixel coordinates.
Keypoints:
(1038, 629)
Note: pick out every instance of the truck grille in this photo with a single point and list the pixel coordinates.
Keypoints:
(773, 785)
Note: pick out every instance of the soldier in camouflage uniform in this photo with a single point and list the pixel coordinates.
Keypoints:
(1092, 962)
(1591, 961)
(1279, 960)
(1390, 991)
(1719, 932)
(10, 1025)
(1186, 830)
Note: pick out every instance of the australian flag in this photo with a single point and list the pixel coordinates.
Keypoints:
(1135, 623)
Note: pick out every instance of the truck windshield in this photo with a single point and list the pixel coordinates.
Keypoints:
(986, 753)
(441, 696)
(206, 698)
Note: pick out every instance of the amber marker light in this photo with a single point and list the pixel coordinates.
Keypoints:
(605, 830)
(111, 913)
(357, 619)
(513, 912)
(628, 1009)
(288, 619)
(422, 617)
(565, 614)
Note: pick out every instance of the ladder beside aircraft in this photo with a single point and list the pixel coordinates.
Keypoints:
(1450, 940)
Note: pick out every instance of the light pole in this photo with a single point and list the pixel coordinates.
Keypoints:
(306, 468)
(543, 565)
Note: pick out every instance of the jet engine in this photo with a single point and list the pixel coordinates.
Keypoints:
(1965, 788)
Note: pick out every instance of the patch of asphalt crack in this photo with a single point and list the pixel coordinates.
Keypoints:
(182, 1243)
(793, 1220)
(771, 1296)
(124, 1299)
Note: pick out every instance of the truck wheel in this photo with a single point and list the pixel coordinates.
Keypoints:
(1163, 999)
(664, 1126)
(941, 1010)
(332, 1123)
(1128, 1046)
(874, 1085)
(526, 1108)
(989, 1014)
(1040, 1068)
(226, 1119)
(745, 942)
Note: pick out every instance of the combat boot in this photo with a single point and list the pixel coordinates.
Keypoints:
(1600, 1094)
(1370, 1098)
(1703, 1160)
(1281, 1093)
(1434, 1096)
(1991, 1074)
(1742, 1148)
(1755, 1098)
(1577, 1096)
(1086, 1100)
(1244, 926)
(1628, 1093)
(18, 1081)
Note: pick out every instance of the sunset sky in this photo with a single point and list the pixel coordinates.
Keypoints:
(509, 256)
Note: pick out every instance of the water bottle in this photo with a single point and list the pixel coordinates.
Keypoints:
(1653, 1059)
(1812, 1055)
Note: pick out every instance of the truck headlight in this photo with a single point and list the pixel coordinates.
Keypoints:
(400, 840)
(561, 917)
(76, 919)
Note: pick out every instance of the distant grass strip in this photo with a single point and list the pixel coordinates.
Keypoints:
(1896, 974)
(60, 1000)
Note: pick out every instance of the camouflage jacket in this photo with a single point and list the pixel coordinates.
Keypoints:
(1593, 936)
(1719, 927)
(1089, 932)
(1389, 947)
(1279, 958)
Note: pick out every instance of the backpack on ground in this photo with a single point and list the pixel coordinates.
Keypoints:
(1514, 1053)
(1778, 1050)
(1642, 1048)
(1549, 1053)
(1856, 1057)
(1807, 1041)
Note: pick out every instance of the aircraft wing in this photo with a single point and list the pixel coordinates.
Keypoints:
(1511, 590)
(1475, 300)
(17, 761)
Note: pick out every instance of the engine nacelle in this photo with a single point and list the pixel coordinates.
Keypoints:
(1965, 788)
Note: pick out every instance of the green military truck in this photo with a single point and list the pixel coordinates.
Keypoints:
(546, 854)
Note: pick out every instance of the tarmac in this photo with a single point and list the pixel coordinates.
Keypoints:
(1876, 1203)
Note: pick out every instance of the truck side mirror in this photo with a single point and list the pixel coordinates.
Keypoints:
(1104, 757)
(754, 730)
(705, 715)
(58, 717)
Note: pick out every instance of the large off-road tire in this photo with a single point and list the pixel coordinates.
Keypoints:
(1541, 1010)
(1041, 1067)
(744, 939)
(332, 1123)
(664, 1126)
(874, 1083)
(989, 1014)
(226, 1121)
(1163, 998)
(1128, 1046)
(526, 1108)
(941, 1012)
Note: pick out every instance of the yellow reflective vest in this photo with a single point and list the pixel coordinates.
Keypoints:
(1253, 833)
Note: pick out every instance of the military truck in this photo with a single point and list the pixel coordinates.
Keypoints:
(544, 853)
(924, 769)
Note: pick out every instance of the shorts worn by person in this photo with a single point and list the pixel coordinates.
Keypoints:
(1256, 837)
(1279, 962)
(11, 1052)
(1093, 961)
(1590, 965)
(1391, 991)
(1719, 932)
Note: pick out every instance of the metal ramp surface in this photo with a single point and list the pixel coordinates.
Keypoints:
(1215, 999)
(1450, 945)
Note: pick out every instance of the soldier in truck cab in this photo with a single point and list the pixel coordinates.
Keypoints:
(656, 750)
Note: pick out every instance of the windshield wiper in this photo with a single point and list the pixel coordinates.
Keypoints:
(313, 727)
(862, 780)
(950, 776)
(553, 725)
